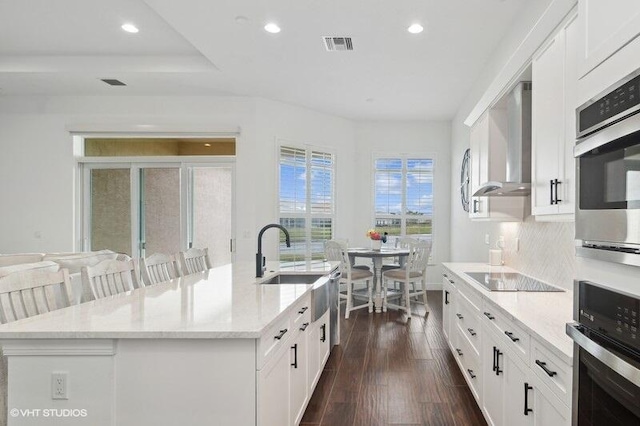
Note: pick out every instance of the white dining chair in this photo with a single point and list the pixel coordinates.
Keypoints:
(337, 251)
(413, 271)
(157, 268)
(110, 277)
(194, 260)
(27, 293)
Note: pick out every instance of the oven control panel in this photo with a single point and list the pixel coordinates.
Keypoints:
(615, 104)
(610, 313)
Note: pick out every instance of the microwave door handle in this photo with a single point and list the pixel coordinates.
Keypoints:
(605, 356)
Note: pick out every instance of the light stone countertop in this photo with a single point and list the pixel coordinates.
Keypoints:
(224, 302)
(543, 314)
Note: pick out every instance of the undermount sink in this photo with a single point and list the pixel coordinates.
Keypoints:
(284, 278)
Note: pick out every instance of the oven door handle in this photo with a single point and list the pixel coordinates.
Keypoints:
(605, 356)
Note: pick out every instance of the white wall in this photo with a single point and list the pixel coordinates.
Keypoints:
(393, 138)
(37, 159)
(37, 165)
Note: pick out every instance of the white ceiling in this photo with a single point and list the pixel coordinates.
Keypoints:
(197, 47)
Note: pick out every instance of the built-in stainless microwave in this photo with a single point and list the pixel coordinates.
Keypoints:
(608, 174)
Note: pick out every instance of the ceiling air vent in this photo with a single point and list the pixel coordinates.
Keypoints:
(113, 82)
(337, 43)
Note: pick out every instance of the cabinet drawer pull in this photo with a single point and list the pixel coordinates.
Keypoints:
(459, 352)
(527, 388)
(303, 310)
(459, 316)
(446, 297)
(473, 376)
(445, 275)
(510, 335)
(324, 332)
(471, 331)
(282, 333)
(295, 355)
(304, 326)
(488, 315)
(543, 365)
(452, 281)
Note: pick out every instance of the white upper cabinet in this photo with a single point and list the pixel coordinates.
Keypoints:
(608, 26)
(488, 142)
(554, 77)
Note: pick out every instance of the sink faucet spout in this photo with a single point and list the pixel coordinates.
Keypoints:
(260, 259)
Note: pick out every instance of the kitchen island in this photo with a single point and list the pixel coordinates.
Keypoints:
(211, 348)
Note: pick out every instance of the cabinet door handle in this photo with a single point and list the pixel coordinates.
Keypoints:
(510, 335)
(459, 352)
(471, 331)
(494, 358)
(282, 333)
(498, 353)
(557, 183)
(303, 310)
(295, 355)
(446, 297)
(551, 199)
(473, 376)
(543, 365)
(488, 315)
(527, 388)
(324, 332)
(459, 316)
(304, 326)
(445, 275)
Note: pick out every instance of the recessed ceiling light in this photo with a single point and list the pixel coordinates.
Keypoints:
(272, 28)
(130, 28)
(207, 144)
(241, 19)
(415, 29)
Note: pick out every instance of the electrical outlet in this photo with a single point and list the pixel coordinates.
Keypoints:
(500, 242)
(517, 245)
(486, 239)
(59, 385)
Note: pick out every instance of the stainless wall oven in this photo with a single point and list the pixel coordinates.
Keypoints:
(608, 174)
(606, 376)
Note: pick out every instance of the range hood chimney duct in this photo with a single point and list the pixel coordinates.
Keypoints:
(518, 171)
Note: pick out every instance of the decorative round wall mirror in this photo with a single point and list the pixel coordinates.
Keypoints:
(464, 180)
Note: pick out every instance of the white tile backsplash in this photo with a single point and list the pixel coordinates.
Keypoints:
(546, 250)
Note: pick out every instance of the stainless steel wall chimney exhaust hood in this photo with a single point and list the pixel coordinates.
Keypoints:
(517, 181)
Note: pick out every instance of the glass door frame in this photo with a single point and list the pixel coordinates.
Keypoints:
(135, 164)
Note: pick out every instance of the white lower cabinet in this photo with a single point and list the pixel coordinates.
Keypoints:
(493, 384)
(299, 380)
(507, 377)
(294, 362)
(318, 345)
(448, 298)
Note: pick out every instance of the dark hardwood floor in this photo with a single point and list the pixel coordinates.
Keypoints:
(390, 372)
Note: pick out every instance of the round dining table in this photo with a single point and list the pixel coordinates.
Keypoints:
(377, 256)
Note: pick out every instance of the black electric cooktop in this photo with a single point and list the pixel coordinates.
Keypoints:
(510, 281)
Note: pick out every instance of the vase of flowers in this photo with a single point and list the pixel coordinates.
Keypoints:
(376, 239)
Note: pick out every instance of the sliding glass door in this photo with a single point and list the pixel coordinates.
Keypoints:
(145, 208)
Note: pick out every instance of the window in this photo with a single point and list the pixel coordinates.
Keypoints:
(403, 200)
(307, 207)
